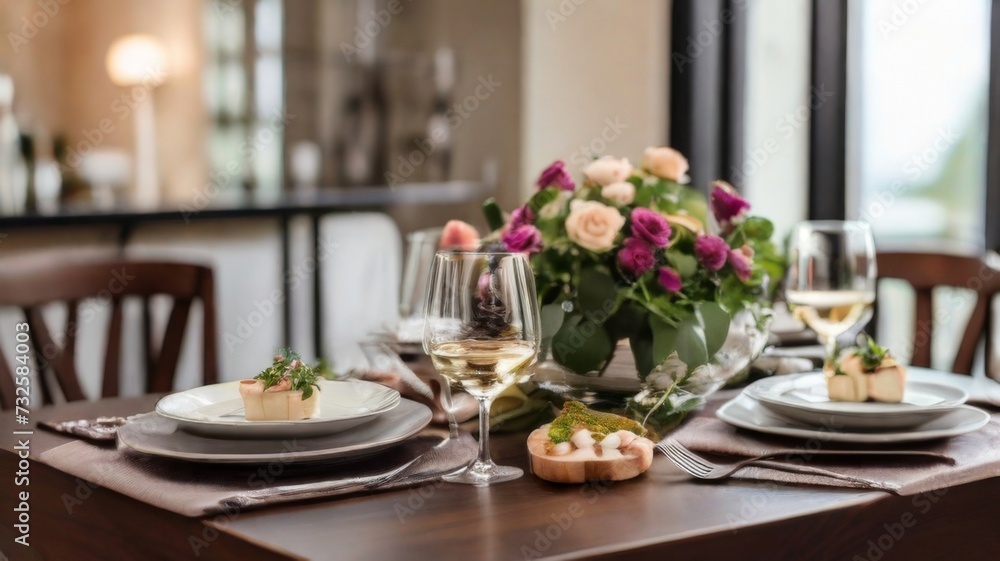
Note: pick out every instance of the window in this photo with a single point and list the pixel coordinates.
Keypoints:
(244, 93)
(918, 78)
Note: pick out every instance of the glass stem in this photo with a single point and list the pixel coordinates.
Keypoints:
(831, 347)
(484, 430)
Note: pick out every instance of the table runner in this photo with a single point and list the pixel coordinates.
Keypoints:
(976, 455)
(195, 489)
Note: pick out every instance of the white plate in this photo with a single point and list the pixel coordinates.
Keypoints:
(746, 412)
(158, 436)
(803, 397)
(217, 410)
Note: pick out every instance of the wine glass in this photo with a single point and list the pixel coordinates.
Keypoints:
(831, 277)
(482, 332)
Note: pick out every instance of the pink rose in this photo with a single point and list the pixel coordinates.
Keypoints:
(621, 193)
(521, 216)
(556, 176)
(711, 251)
(523, 239)
(593, 225)
(636, 257)
(459, 235)
(608, 170)
(726, 204)
(666, 163)
(650, 226)
(740, 263)
(670, 280)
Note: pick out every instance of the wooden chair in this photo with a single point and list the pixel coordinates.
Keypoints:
(33, 282)
(924, 272)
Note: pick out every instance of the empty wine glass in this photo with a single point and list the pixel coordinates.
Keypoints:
(830, 284)
(482, 332)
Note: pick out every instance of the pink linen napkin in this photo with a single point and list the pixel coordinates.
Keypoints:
(195, 489)
(976, 456)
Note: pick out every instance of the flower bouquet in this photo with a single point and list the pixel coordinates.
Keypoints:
(633, 254)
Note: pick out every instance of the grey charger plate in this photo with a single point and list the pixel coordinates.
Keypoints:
(158, 436)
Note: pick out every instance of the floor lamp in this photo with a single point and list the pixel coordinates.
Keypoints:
(140, 62)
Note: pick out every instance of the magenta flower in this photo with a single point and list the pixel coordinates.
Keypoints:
(557, 176)
(636, 257)
(650, 226)
(670, 279)
(711, 251)
(523, 239)
(726, 203)
(521, 216)
(740, 264)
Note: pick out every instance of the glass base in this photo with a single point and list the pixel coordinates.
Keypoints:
(482, 474)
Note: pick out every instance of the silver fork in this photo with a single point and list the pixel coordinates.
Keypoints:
(697, 466)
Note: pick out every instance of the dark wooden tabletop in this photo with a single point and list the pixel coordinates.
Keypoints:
(659, 515)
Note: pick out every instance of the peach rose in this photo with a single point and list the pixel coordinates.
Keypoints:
(593, 225)
(608, 170)
(621, 193)
(666, 163)
(459, 235)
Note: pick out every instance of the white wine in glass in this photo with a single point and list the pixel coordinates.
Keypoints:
(831, 277)
(482, 331)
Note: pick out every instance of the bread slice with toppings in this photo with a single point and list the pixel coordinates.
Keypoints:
(284, 391)
(865, 373)
(584, 445)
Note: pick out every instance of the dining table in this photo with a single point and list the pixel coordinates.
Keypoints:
(662, 514)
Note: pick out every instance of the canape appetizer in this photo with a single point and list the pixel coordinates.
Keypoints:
(282, 391)
(584, 445)
(865, 373)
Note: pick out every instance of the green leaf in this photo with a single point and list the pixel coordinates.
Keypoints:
(627, 321)
(581, 345)
(664, 339)
(685, 264)
(715, 321)
(758, 228)
(642, 349)
(692, 347)
(551, 319)
(493, 214)
(597, 294)
(542, 198)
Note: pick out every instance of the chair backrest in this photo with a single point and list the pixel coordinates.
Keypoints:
(926, 271)
(32, 282)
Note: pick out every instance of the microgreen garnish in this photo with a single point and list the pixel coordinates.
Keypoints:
(872, 355)
(288, 364)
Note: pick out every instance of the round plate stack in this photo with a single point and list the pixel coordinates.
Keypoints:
(798, 405)
(207, 424)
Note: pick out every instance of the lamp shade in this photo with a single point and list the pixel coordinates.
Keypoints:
(135, 59)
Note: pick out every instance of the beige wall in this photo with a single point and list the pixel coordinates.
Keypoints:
(586, 66)
(63, 87)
